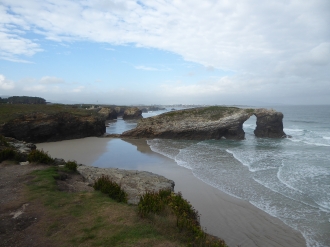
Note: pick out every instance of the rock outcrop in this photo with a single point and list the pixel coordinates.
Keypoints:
(120, 110)
(42, 127)
(108, 113)
(269, 123)
(134, 183)
(207, 123)
(198, 123)
(132, 113)
(21, 146)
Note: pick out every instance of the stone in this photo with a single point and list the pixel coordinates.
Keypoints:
(206, 123)
(132, 113)
(108, 113)
(134, 183)
(269, 123)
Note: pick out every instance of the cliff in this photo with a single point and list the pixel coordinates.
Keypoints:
(44, 127)
(132, 113)
(208, 123)
(269, 123)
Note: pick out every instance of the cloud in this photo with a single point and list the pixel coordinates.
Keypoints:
(78, 89)
(142, 67)
(267, 43)
(12, 43)
(51, 80)
(6, 84)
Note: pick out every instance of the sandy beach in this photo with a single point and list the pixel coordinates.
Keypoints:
(238, 222)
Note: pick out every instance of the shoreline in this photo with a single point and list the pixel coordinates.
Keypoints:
(236, 221)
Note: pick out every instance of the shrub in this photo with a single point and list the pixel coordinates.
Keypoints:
(3, 141)
(111, 188)
(39, 156)
(71, 165)
(11, 154)
(153, 202)
(7, 153)
(187, 218)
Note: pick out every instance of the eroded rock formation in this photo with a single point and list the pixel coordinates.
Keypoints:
(269, 123)
(108, 113)
(134, 183)
(208, 123)
(132, 113)
(41, 127)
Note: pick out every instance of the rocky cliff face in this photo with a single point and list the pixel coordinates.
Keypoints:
(199, 123)
(269, 123)
(108, 113)
(41, 127)
(132, 113)
(207, 123)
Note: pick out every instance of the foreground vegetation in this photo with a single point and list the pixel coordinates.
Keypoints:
(94, 219)
(102, 217)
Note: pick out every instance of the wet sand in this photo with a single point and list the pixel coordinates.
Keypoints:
(238, 222)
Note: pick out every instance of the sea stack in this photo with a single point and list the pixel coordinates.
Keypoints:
(215, 122)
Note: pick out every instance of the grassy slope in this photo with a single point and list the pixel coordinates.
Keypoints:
(211, 112)
(93, 219)
(12, 111)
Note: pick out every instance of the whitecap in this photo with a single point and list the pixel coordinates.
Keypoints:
(293, 130)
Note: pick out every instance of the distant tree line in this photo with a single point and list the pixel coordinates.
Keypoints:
(22, 100)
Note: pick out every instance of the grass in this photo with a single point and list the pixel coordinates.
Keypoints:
(11, 111)
(211, 112)
(94, 219)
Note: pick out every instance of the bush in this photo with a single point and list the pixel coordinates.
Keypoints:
(187, 218)
(153, 202)
(111, 188)
(3, 141)
(12, 154)
(39, 156)
(71, 165)
(7, 153)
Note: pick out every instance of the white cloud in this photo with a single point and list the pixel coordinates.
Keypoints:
(142, 67)
(51, 80)
(6, 84)
(78, 89)
(263, 42)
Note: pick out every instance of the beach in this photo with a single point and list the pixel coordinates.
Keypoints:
(237, 221)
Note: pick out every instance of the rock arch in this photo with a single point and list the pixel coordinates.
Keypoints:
(209, 123)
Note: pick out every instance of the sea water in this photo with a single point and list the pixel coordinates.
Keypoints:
(287, 178)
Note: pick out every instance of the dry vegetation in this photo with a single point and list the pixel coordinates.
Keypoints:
(11, 111)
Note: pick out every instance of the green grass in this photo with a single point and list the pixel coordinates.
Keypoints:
(94, 219)
(11, 111)
(211, 112)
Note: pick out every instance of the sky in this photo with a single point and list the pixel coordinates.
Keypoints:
(166, 51)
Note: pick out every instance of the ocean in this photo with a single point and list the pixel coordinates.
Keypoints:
(287, 178)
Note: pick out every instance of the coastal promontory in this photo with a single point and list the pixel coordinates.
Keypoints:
(44, 123)
(204, 123)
